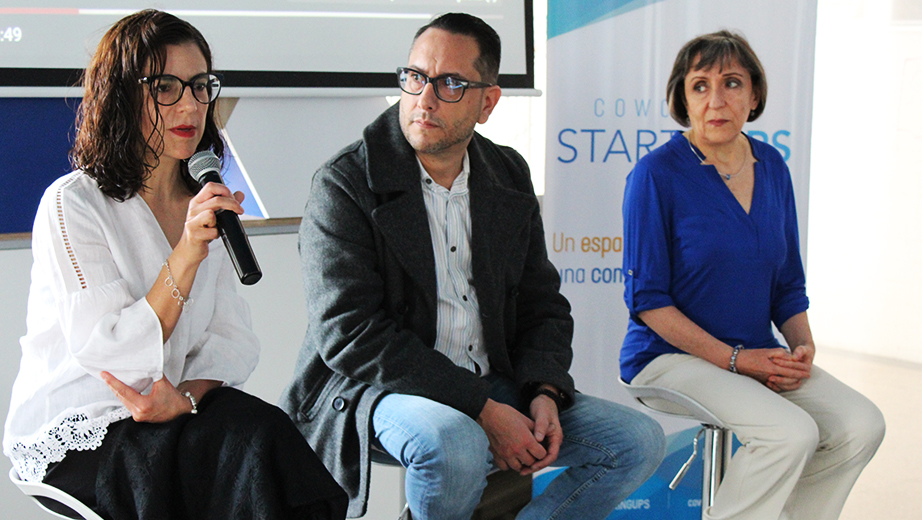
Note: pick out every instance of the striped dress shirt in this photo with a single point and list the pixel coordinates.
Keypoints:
(459, 333)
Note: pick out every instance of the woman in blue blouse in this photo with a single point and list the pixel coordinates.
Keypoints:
(711, 260)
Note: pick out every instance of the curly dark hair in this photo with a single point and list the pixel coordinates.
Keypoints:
(717, 48)
(110, 145)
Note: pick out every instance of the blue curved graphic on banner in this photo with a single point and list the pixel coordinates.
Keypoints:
(564, 16)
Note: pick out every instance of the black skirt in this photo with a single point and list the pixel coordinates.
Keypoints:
(238, 458)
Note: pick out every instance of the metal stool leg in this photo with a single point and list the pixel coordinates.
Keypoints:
(718, 440)
(718, 448)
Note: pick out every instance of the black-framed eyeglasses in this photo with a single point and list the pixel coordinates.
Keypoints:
(448, 88)
(167, 89)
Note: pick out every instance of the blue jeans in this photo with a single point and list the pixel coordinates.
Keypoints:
(610, 450)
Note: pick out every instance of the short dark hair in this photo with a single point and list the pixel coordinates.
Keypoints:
(487, 64)
(718, 48)
(110, 145)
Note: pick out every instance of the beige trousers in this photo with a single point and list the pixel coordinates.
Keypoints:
(802, 450)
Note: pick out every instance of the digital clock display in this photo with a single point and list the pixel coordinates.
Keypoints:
(10, 34)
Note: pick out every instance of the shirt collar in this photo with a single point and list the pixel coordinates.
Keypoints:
(459, 186)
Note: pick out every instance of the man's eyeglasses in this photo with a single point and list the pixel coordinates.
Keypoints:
(449, 89)
(167, 89)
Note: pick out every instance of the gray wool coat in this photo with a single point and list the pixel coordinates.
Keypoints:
(369, 277)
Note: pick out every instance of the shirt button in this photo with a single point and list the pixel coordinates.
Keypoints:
(464, 298)
(630, 272)
(453, 249)
(470, 348)
(428, 181)
(339, 404)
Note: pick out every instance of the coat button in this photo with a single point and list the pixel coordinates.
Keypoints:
(339, 404)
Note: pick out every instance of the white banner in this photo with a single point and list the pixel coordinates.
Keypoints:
(608, 64)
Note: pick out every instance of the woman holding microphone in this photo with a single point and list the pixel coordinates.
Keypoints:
(126, 396)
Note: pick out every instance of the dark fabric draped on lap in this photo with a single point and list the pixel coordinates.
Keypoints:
(238, 458)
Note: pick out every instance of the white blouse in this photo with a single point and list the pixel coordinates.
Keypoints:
(94, 261)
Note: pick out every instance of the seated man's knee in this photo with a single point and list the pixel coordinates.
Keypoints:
(467, 452)
(650, 445)
(457, 445)
(632, 439)
(655, 439)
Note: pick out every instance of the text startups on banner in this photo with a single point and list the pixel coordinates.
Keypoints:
(608, 64)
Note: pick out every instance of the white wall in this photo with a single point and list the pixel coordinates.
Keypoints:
(865, 241)
(15, 290)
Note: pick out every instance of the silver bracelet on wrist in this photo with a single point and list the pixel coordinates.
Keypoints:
(169, 282)
(194, 402)
(736, 352)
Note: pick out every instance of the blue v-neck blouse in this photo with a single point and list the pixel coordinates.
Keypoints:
(689, 243)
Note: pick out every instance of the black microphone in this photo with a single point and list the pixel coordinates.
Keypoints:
(205, 167)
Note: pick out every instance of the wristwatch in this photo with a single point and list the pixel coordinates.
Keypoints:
(557, 397)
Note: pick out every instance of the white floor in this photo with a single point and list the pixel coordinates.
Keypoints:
(889, 487)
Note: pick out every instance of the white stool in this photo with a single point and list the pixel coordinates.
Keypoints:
(718, 439)
(39, 489)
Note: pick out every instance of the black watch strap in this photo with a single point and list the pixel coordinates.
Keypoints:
(557, 397)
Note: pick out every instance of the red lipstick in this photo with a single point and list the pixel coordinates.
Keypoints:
(186, 131)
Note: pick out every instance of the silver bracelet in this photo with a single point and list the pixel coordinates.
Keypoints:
(169, 282)
(736, 352)
(194, 403)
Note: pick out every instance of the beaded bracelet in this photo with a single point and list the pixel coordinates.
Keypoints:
(169, 282)
(194, 402)
(736, 352)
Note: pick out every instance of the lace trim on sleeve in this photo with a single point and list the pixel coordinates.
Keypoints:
(31, 457)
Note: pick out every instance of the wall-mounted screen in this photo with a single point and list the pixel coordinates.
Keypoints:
(257, 43)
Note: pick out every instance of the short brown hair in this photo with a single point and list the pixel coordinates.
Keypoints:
(487, 64)
(718, 48)
(110, 145)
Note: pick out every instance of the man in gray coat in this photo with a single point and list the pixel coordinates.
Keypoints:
(437, 332)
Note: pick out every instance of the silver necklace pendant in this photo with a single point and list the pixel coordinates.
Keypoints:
(725, 176)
